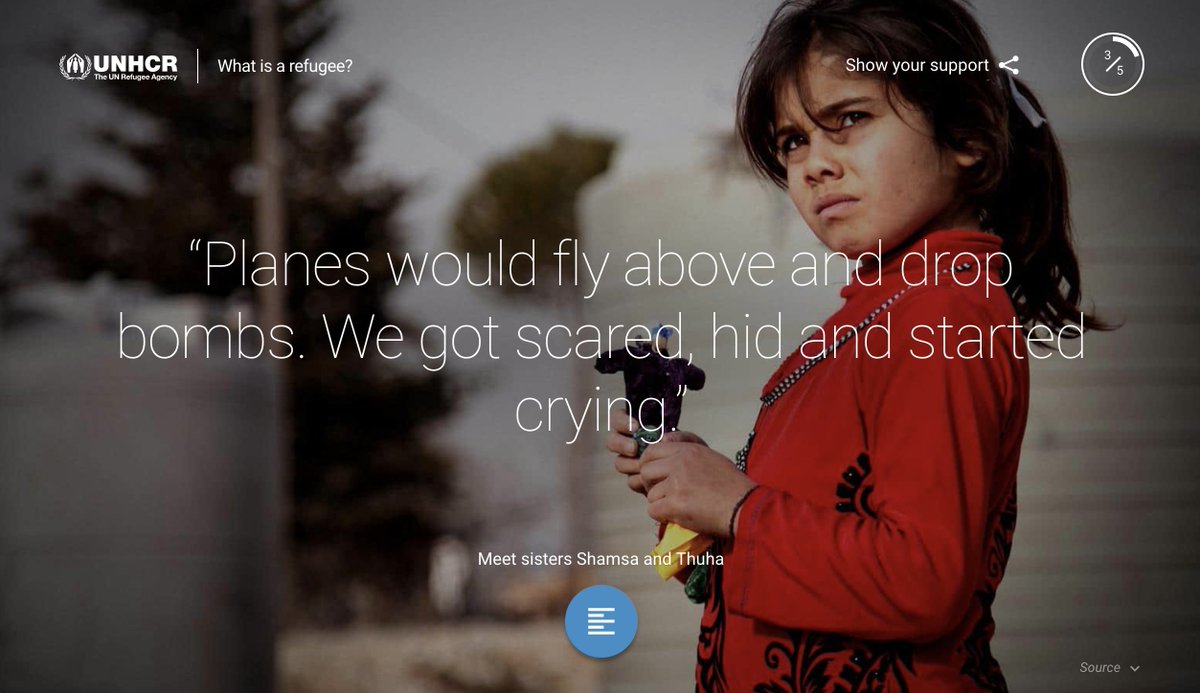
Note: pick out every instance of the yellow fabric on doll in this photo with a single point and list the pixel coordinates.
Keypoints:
(676, 540)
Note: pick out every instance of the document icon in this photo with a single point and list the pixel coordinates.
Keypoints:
(601, 621)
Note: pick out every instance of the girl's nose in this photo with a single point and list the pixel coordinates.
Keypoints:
(822, 163)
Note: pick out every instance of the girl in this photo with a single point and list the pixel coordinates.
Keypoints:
(866, 525)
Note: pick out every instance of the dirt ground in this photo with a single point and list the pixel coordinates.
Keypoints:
(462, 657)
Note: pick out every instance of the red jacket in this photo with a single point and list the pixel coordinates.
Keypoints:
(870, 554)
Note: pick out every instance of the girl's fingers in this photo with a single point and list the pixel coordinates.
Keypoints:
(636, 484)
(683, 437)
(658, 510)
(627, 465)
(654, 471)
(622, 445)
(660, 450)
(656, 492)
(621, 422)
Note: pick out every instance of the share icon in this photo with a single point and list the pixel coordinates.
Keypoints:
(1013, 70)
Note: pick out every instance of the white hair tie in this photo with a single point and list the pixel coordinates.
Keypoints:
(1035, 119)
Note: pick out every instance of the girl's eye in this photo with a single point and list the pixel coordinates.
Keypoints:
(850, 118)
(791, 143)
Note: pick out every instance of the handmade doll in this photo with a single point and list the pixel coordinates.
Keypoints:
(655, 384)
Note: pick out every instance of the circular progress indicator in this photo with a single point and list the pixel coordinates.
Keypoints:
(1112, 64)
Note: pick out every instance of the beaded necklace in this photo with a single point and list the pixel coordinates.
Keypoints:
(784, 385)
(697, 584)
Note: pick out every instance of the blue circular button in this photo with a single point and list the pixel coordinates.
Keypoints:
(601, 621)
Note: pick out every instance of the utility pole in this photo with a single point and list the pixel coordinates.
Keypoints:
(270, 224)
(269, 213)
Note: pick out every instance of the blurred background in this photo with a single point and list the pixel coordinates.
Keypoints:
(313, 525)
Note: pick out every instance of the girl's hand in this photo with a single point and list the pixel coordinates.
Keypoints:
(620, 441)
(692, 485)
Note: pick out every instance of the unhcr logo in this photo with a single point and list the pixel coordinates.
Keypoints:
(136, 68)
(75, 67)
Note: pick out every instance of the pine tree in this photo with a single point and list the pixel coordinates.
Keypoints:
(367, 490)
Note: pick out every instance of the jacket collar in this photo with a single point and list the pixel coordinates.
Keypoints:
(921, 257)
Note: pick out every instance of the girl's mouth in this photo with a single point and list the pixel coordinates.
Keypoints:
(834, 206)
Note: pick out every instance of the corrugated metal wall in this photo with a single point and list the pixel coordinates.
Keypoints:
(1105, 556)
(139, 505)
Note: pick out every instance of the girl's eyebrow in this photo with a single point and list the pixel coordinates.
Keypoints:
(785, 131)
(788, 128)
(837, 106)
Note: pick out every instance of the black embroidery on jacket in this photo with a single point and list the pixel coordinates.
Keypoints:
(803, 662)
(854, 492)
(820, 662)
(710, 668)
(980, 666)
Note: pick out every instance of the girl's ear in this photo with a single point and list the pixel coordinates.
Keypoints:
(968, 156)
(967, 159)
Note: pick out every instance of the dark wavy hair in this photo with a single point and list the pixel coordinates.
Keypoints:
(1019, 185)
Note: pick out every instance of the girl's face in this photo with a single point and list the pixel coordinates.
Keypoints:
(877, 180)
